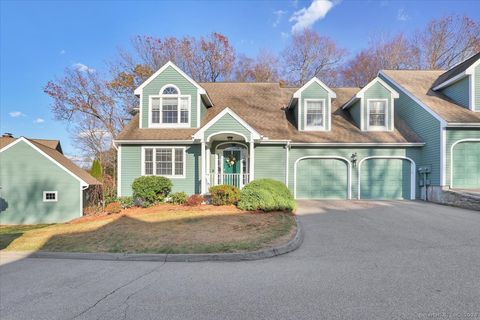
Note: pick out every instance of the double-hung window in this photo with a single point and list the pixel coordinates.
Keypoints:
(377, 114)
(315, 114)
(170, 108)
(164, 161)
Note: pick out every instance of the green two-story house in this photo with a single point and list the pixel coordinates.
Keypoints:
(405, 134)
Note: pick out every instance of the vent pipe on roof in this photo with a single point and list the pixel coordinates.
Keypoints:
(7, 135)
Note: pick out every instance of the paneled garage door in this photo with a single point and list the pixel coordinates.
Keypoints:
(322, 179)
(466, 165)
(385, 179)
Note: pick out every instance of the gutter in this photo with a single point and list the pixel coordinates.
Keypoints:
(463, 125)
(334, 144)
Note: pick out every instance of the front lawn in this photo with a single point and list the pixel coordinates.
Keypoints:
(160, 229)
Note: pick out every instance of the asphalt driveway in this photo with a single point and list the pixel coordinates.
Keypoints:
(359, 260)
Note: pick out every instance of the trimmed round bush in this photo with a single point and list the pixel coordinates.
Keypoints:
(179, 197)
(224, 194)
(151, 189)
(266, 195)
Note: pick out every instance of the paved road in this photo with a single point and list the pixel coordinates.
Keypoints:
(359, 260)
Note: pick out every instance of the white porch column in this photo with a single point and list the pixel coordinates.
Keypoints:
(203, 169)
(251, 160)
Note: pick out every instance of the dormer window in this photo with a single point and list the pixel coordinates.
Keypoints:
(170, 108)
(314, 114)
(377, 114)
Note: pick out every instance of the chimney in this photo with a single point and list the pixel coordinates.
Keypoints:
(7, 135)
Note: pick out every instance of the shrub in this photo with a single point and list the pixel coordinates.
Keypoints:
(179, 198)
(113, 207)
(224, 195)
(194, 200)
(151, 189)
(96, 170)
(110, 199)
(126, 202)
(266, 195)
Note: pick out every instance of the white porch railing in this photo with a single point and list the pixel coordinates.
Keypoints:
(235, 179)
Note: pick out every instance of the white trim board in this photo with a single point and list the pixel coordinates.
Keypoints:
(451, 155)
(83, 183)
(413, 172)
(349, 172)
(253, 133)
(138, 90)
(331, 93)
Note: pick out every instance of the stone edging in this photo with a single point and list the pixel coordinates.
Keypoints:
(291, 245)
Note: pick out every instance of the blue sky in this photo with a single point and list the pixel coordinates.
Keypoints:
(38, 39)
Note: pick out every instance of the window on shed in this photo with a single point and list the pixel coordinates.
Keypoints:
(50, 196)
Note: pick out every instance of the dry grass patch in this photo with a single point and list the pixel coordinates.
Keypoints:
(161, 229)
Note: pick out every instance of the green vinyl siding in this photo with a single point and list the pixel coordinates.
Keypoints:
(227, 123)
(131, 169)
(203, 109)
(170, 76)
(378, 91)
(299, 152)
(466, 157)
(315, 91)
(459, 92)
(385, 179)
(322, 179)
(425, 125)
(356, 113)
(25, 174)
(270, 162)
(476, 94)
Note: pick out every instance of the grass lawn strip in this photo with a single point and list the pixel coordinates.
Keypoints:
(161, 229)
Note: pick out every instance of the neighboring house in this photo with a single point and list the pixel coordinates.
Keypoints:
(324, 143)
(38, 183)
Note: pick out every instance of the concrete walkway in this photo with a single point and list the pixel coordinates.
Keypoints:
(359, 260)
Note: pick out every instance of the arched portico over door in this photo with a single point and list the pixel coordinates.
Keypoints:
(227, 150)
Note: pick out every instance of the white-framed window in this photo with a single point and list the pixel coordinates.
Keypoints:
(163, 161)
(50, 196)
(315, 114)
(377, 114)
(170, 108)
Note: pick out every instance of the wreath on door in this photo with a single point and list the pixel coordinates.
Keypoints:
(231, 160)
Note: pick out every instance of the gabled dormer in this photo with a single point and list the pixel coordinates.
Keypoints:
(312, 105)
(171, 99)
(372, 108)
(462, 83)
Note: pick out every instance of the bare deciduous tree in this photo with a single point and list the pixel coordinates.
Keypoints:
(263, 69)
(448, 41)
(383, 53)
(309, 55)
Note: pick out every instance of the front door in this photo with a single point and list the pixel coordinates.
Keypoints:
(231, 167)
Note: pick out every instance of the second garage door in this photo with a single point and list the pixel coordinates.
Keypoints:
(466, 165)
(385, 179)
(322, 179)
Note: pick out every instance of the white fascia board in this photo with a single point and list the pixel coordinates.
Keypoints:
(120, 142)
(450, 81)
(350, 102)
(199, 134)
(361, 144)
(442, 121)
(331, 93)
(82, 183)
(463, 125)
(138, 91)
(361, 93)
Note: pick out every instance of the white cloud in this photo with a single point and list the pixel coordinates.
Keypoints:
(284, 35)
(82, 67)
(306, 17)
(402, 15)
(38, 120)
(16, 114)
(63, 51)
(278, 17)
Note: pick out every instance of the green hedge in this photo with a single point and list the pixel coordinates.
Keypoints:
(179, 197)
(224, 195)
(151, 189)
(266, 195)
